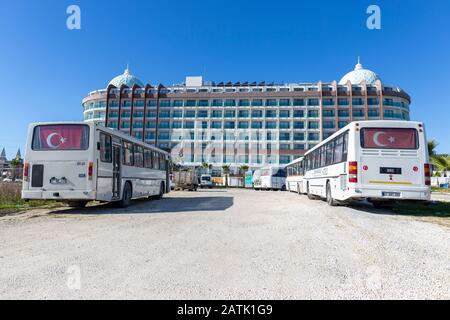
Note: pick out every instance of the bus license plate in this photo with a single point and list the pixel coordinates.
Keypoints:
(390, 194)
(386, 170)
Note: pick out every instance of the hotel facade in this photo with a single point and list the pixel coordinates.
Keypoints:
(242, 123)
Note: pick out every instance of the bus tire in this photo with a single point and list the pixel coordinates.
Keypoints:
(299, 190)
(161, 191)
(283, 188)
(331, 202)
(127, 194)
(77, 204)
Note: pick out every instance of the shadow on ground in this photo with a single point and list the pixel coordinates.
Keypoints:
(154, 206)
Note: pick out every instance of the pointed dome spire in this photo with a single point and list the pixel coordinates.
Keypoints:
(18, 155)
(360, 74)
(359, 66)
(126, 79)
(3, 154)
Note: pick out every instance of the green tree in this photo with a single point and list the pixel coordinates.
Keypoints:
(15, 165)
(441, 163)
(243, 169)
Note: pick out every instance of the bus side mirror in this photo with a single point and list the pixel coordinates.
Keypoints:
(98, 145)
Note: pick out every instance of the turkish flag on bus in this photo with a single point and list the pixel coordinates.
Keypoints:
(63, 137)
(389, 138)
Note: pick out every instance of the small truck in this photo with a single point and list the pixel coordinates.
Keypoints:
(185, 180)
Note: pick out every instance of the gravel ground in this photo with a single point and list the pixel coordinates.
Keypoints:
(221, 244)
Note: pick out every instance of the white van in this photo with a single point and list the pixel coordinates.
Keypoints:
(206, 181)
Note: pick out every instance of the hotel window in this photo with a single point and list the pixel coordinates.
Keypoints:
(285, 124)
(164, 103)
(342, 124)
(328, 125)
(203, 103)
(328, 102)
(202, 114)
(299, 125)
(256, 125)
(313, 113)
(137, 135)
(164, 114)
(243, 124)
(285, 113)
(256, 113)
(312, 136)
(299, 146)
(270, 89)
(313, 102)
(151, 103)
(229, 124)
(284, 89)
(327, 134)
(139, 103)
(285, 159)
(163, 136)
(285, 136)
(126, 114)
(178, 103)
(113, 103)
(299, 102)
(271, 125)
(328, 113)
(243, 90)
(299, 113)
(177, 125)
(189, 114)
(189, 125)
(358, 113)
(313, 89)
(357, 102)
(299, 89)
(271, 113)
(164, 125)
(244, 135)
(138, 114)
(204, 125)
(271, 102)
(177, 114)
(244, 103)
(137, 124)
(217, 103)
(125, 125)
(270, 136)
(243, 114)
(373, 113)
(230, 114)
(126, 103)
(372, 101)
(257, 90)
(388, 102)
(285, 146)
(299, 136)
(257, 103)
(190, 103)
(113, 114)
(343, 113)
(343, 102)
(313, 124)
(216, 114)
(230, 90)
(150, 124)
(150, 136)
(230, 103)
(216, 124)
(285, 102)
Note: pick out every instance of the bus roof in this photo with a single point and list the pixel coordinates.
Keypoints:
(295, 161)
(372, 123)
(102, 128)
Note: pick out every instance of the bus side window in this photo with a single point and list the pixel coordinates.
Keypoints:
(345, 147)
(148, 159)
(138, 156)
(155, 160)
(162, 162)
(105, 148)
(128, 153)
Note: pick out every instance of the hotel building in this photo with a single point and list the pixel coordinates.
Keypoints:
(251, 123)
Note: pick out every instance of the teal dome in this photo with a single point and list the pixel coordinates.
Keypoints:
(126, 79)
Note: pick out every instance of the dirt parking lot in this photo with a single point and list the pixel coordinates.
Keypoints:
(220, 244)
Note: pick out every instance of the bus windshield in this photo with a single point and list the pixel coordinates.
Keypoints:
(61, 137)
(389, 138)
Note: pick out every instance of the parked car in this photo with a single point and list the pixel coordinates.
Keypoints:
(206, 181)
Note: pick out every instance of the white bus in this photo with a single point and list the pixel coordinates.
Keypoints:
(273, 178)
(256, 179)
(77, 162)
(295, 181)
(382, 161)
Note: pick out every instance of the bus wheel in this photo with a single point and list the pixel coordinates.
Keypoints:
(126, 197)
(283, 188)
(331, 202)
(77, 204)
(299, 191)
(161, 190)
(310, 196)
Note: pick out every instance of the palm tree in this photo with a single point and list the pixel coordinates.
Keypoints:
(441, 163)
(243, 169)
(226, 170)
(15, 164)
(205, 166)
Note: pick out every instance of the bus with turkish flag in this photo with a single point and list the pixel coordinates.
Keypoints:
(383, 161)
(78, 162)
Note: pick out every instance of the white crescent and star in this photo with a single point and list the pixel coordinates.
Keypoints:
(376, 141)
(49, 140)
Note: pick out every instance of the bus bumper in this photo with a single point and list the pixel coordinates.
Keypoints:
(58, 195)
(393, 193)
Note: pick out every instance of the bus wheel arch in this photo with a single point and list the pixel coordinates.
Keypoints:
(127, 194)
(308, 192)
(329, 196)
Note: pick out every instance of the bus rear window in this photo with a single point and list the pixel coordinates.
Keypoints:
(389, 138)
(61, 137)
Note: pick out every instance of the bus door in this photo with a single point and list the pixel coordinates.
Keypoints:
(116, 171)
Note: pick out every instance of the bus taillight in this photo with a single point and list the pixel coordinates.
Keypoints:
(90, 169)
(427, 173)
(353, 172)
(25, 171)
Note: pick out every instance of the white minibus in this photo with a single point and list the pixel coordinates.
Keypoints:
(295, 181)
(383, 161)
(273, 178)
(76, 162)
(256, 179)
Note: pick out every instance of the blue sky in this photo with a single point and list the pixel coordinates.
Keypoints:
(47, 69)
